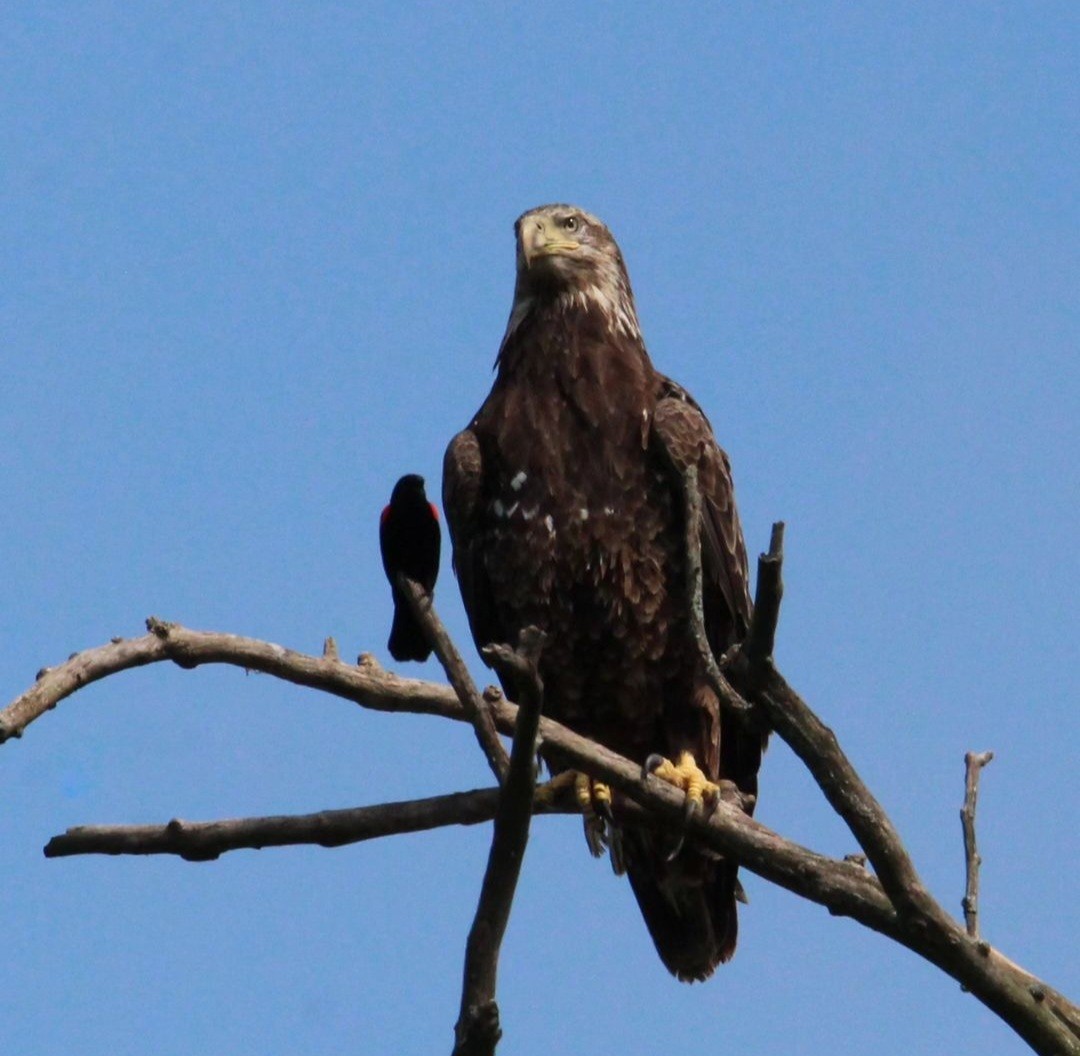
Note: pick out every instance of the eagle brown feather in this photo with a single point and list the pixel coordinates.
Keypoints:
(565, 513)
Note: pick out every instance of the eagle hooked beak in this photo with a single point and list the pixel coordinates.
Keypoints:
(536, 243)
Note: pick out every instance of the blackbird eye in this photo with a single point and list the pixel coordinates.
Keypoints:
(570, 223)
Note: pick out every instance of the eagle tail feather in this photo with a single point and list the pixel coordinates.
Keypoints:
(692, 919)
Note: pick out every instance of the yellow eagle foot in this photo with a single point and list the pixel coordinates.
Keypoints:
(593, 799)
(702, 795)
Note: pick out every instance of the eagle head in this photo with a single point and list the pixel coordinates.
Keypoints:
(565, 253)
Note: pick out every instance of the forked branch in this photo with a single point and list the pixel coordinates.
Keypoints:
(457, 674)
(1048, 1021)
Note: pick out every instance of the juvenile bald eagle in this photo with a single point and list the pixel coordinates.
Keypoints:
(565, 513)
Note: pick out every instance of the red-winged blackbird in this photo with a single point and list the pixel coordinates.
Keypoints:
(409, 538)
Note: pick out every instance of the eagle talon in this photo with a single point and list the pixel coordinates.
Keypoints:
(702, 795)
(594, 799)
(690, 808)
(601, 802)
(652, 764)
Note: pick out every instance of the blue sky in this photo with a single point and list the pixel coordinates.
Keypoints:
(257, 261)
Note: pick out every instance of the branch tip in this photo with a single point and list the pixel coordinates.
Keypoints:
(973, 765)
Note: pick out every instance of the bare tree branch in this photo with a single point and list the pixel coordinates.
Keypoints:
(201, 841)
(1047, 1020)
(973, 764)
(477, 1031)
(770, 590)
(458, 675)
(365, 683)
(816, 745)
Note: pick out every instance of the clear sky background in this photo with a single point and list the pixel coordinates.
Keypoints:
(256, 262)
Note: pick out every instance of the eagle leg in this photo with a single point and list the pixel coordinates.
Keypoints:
(551, 792)
(701, 793)
(593, 799)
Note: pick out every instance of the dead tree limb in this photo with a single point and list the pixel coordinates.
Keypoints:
(458, 675)
(202, 841)
(973, 764)
(1047, 1020)
(761, 640)
(477, 1031)
(816, 745)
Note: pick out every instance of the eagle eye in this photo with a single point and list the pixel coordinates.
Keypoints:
(570, 223)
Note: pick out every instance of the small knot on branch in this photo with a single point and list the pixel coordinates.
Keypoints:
(159, 628)
(521, 662)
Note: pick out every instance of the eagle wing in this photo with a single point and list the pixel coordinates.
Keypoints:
(681, 426)
(463, 479)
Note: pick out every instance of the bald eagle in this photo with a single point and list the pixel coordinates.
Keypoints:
(565, 512)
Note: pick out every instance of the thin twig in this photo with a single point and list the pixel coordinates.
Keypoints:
(477, 1031)
(727, 694)
(476, 707)
(973, 764)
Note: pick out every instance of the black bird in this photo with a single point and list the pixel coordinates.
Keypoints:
(409, 538)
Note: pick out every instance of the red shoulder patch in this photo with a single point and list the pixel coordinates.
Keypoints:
(434, 510)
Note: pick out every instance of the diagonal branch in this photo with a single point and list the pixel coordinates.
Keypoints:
(816, 745)
(458, 675)
(477, 1031)
(365, 683)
